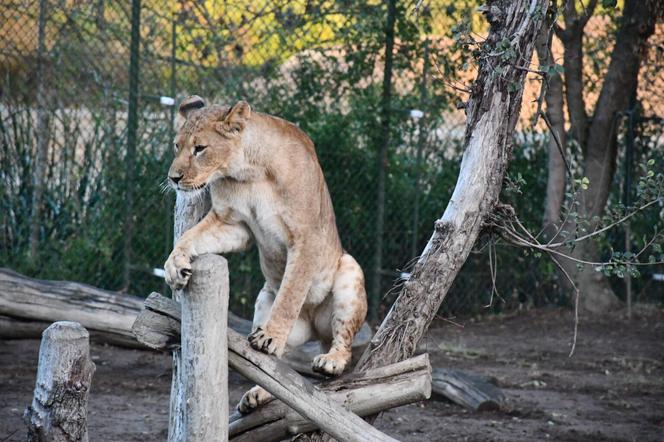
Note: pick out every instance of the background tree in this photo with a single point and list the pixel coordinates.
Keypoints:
(594, 132)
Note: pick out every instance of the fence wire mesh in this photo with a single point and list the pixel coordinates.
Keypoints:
(87, 118)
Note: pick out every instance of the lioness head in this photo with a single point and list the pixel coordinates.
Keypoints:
(209, 143)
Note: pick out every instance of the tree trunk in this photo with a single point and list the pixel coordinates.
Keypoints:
(493, 110)
(637, 25)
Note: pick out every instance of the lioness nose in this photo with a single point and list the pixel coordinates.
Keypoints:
(175, 178)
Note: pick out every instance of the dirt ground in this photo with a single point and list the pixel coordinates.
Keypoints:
(612, 389)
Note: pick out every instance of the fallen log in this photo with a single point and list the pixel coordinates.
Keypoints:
(59, 407)
(49, 301)
(157, 327)
(28, 306)
(469, 390)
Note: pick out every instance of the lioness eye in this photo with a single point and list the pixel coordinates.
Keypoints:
(199, 149)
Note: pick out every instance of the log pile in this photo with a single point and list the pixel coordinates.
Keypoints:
(386, 387)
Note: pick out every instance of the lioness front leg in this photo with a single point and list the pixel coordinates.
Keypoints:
(213, 234)
(272, 336)
(349, 308)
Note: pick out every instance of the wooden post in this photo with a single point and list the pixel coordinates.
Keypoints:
(203, 402)
(188, 212)
(60, 404)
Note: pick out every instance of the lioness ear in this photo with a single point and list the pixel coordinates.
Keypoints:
(236, 118)
(190, 103)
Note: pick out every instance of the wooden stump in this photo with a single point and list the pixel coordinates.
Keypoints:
(60, 405)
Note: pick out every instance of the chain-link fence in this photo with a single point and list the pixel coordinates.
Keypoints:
(88, 96)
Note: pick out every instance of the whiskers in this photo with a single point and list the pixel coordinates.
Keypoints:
(165, 186)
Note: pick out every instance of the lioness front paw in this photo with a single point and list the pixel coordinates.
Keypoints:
(177, 270)
(330, 364)
(252, 399)
(262, 340)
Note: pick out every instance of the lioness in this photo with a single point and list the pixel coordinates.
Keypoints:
(266, 185)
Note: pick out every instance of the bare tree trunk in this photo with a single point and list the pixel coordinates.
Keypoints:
(637, 25)
(493, 110)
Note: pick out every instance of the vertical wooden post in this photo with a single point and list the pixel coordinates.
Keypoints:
(204, 353)
(60, 405)
(188, 211)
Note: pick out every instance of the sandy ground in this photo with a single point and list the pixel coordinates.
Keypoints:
(612, 389)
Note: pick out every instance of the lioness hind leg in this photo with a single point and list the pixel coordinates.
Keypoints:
(302, 332)
(349, 308)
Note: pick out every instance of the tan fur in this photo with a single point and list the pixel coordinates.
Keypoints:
(267, 187)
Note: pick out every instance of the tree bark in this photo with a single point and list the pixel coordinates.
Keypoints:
(572, 38)
(96, 309)
(60, 405)
(492, 110)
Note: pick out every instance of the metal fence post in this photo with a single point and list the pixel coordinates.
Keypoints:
(42, 135)
(383, 144)
(132, 127)
(629, 150)
(421, 141)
